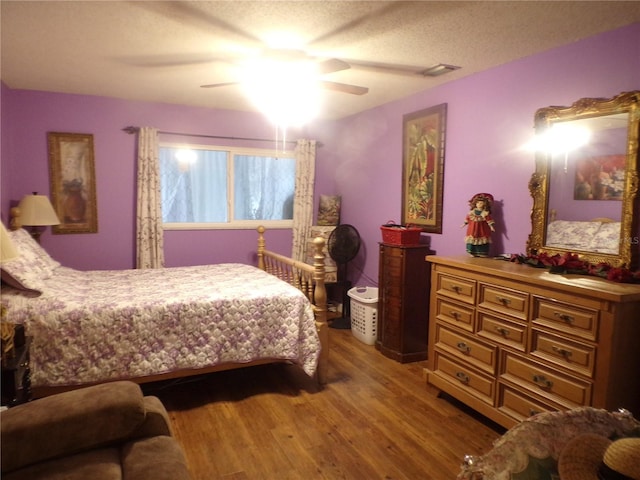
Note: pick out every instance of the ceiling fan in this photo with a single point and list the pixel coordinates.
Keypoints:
(278, 58)
(192, 13)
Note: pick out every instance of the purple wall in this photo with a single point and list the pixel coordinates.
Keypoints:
(27, 116)
(490, 116)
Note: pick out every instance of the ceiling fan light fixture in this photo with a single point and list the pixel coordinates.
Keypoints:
(287, 93)
(439, 69)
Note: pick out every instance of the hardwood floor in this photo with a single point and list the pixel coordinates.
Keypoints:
(376, 419)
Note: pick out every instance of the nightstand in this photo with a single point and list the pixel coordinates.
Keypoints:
(16, 376)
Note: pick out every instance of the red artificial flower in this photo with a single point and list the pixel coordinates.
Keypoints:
(619, 275)
(573, 263)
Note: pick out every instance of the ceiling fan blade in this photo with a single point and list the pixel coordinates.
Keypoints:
(215, 85)
(170, 60)
(331, 65)
(386, 67)
(344, 88)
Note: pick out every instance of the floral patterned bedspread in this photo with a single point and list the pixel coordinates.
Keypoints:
(92, 326)
(602, 237)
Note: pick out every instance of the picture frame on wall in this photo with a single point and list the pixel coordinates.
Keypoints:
(423, 154)
(600, 177)
(73, 184)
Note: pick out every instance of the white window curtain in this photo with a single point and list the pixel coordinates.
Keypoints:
(149, 233)
(305, 154)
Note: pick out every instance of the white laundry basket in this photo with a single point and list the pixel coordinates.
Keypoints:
(364, 313)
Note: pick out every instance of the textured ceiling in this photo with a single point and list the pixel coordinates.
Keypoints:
(164, 51)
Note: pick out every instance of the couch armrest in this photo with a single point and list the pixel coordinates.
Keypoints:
(156, 421)
(154, 458)
(69, 422)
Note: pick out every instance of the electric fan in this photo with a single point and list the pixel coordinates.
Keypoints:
(343, 245)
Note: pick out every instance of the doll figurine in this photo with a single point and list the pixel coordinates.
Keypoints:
(479, 225)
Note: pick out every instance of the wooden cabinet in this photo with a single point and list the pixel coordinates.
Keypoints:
(403, 302)
(511, 340)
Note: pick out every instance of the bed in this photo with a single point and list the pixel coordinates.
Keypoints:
(600, 235)
(146, 325)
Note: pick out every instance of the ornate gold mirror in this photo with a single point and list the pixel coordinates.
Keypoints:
(585, 185)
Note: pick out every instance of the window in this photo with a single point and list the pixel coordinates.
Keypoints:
(217, 187)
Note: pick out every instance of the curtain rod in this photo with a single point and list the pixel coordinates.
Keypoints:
(131, 130)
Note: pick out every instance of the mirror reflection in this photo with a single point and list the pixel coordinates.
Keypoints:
(585, 185)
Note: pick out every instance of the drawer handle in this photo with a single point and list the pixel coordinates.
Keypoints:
(504, 301)
(503, 331)
(533, 411)
(456, 288)
(564, 317)
(561, 351)
(463, 347)
(542, 381)
(455, 315)
(463, 377)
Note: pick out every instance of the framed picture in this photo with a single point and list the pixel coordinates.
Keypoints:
(73, 184)
(423, 145)
(600, 178)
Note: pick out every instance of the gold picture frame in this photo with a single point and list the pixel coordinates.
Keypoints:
(73, 184)
(423, 149)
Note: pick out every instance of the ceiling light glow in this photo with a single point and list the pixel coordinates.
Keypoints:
(286, 92)
(560, 138)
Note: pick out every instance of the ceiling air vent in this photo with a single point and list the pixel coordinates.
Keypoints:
(439, 69)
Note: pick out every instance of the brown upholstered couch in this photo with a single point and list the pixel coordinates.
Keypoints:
(103, 432)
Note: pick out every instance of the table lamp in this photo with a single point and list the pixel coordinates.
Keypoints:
(7, 249)
(37, 212)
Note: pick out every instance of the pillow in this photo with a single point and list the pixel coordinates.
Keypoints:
(570, 234)
(26, 245)
(23, 286)
(27, 271)
(607, 238)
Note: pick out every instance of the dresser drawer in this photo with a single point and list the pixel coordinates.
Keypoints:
(454, 314)
(566, 318)
(518, 405)
(475, 383)
(502, 331)
(479, 354)
(574, 356)
(504, 300)
(461, 289)
(546, 382)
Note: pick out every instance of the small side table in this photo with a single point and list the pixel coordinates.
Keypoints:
(16, 377)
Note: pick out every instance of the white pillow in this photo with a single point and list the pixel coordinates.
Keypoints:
(607, 239)
(33, 265)
(571, 234)
(26, 245)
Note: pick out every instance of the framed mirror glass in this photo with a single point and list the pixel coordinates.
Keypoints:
(585, 184)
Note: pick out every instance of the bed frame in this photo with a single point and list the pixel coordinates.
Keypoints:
(310, 279)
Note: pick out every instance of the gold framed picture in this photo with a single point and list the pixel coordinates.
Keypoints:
(73, 184)
(423, 147)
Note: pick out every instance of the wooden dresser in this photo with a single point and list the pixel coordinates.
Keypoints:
(511, 340)
(403, 296)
